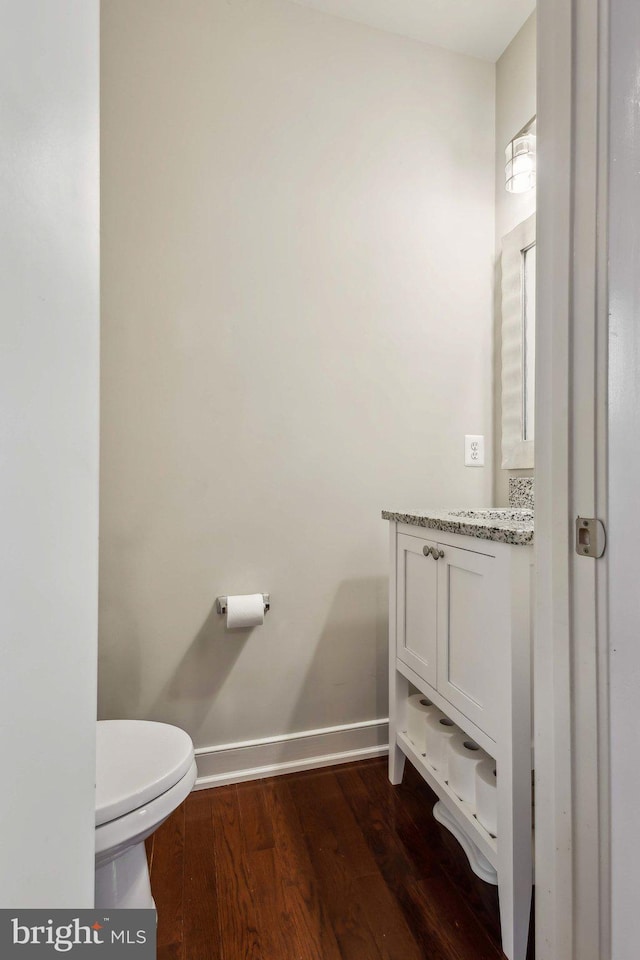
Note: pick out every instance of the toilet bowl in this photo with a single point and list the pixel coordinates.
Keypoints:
(144, 770)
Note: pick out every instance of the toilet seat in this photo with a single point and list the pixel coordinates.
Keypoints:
(137, 761)
(144, 770)
(115, 836)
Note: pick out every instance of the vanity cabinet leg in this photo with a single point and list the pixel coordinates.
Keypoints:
(398, 685)
(398, 695)
(515, 856)
(396, 763)
(515, 910)
(514, 763)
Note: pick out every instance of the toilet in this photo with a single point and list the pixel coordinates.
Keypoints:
(144, 770)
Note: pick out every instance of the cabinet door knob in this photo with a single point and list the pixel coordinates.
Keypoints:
(426, 551)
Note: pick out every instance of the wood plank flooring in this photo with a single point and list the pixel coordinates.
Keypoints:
(332, 864)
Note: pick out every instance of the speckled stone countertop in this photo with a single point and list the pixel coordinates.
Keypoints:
(521, 492)
(503, 524)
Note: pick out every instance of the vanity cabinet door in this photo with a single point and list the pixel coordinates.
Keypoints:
(417, 597)
(470, 635)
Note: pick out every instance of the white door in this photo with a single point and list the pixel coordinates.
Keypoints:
(417, 599)
(49, 377)
(470, 634)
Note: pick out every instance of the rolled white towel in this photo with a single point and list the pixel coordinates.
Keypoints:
(439, 731)
(419, 709)
(464, 758)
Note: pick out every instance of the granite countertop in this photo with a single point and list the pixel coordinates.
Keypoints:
(503, 524)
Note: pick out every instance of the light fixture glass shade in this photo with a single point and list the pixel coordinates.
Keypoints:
(520, 166)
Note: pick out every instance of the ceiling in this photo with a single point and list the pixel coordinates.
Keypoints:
(480, 28)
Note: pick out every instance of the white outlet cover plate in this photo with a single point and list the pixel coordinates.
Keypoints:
(473, 450)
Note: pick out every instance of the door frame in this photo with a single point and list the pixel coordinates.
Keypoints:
(571, 620)
(623, 465)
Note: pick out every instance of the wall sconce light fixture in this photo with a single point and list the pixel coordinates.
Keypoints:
(520, 157)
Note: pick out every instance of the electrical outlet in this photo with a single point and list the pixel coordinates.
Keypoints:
(473, 451)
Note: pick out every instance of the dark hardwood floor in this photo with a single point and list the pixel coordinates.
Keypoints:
(332, 864)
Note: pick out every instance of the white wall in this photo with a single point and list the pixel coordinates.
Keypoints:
(515, 106)
(298, 238)
(49, 442)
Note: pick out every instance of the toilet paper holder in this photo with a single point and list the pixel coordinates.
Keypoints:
(221, 603)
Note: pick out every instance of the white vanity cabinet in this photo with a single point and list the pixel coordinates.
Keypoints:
(417, 590)
(448, 622)
(459, 631)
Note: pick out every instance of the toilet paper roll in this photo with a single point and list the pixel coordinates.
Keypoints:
(464, 757)
(245, 611)
(487, 795)
(419, 708)
(439, 731)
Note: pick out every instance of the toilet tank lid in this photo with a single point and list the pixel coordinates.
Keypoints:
(137, 761)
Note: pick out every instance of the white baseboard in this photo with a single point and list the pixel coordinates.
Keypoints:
(271, 756)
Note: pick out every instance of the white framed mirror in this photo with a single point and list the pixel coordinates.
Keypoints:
(518, 345)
